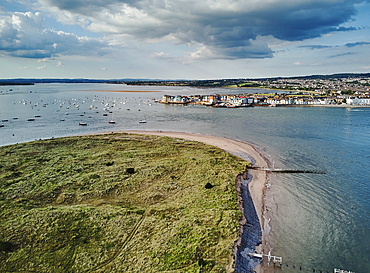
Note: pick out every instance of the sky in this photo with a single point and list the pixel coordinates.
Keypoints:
(183, 39)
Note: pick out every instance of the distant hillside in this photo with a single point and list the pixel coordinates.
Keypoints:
(195, 83)
(333, 76)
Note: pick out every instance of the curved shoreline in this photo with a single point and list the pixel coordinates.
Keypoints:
(256, 186)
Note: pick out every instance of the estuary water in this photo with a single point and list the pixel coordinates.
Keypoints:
(318, 221)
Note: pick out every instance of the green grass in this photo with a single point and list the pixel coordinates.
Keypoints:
(72, 205)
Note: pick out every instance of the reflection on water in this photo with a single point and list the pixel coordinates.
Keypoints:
(318, 221)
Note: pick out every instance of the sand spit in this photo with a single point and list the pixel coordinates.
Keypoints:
(256, 186)
(122, 91)
(245, 151)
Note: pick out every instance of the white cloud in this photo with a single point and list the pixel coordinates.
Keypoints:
(44, 60)
(25, 35)
(160, 55)
(60, 64)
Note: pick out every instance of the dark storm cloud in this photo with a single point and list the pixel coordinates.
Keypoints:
(228, 25)
(227, 28)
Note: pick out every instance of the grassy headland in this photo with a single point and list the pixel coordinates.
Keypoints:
(117, 203)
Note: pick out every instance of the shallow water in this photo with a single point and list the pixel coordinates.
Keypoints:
(319, 221)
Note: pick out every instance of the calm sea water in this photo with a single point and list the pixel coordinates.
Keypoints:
(319, 222)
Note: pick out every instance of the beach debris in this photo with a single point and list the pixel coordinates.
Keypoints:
(342, 271)
(275, 259)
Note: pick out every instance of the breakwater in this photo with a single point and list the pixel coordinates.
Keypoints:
(287, 170)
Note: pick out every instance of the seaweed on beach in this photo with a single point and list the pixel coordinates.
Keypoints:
(251, 233)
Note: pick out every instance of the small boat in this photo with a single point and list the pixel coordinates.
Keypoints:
(1, 125)
(82, 123)
(15, 118)
(62, 119)
(112, 120)
(31, 119)
(5, 120)
(105, 115)
(142, 121)
(37, 116)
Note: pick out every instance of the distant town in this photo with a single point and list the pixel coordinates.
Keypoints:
(324, 84)
(273, 100)
(337, 90)
(317, 90)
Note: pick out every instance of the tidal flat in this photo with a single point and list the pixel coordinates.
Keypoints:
(118, 202)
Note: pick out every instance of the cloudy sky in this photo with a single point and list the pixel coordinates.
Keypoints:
(182, 39)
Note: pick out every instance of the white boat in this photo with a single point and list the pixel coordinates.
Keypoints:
(142, 121)
(82, 123)
(112, 121)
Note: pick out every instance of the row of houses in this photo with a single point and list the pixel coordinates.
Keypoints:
(236, 100)
(257, 99)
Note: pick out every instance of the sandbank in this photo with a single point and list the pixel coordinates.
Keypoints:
(122, 91)
(243, 150)
(257, 186)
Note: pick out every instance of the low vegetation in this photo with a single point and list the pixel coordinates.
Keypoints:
(117, 203)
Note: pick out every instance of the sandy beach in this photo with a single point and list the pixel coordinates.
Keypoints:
(257, 186)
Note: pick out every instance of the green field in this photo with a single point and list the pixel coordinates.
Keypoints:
(117, 203)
